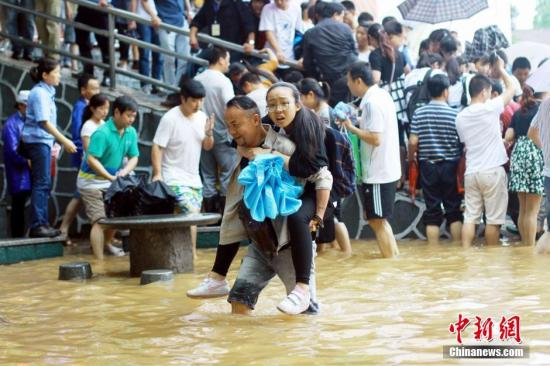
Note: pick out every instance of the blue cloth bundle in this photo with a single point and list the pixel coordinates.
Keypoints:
(269, 191)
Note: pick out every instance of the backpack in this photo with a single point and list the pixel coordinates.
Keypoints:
(341, 162)
(419, 95)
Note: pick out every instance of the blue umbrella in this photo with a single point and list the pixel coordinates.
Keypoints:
(439, 11)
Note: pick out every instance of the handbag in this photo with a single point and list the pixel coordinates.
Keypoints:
(261, 233)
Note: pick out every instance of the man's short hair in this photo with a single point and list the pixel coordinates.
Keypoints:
(521, 63)
(191, 88)
(214, 54)
(448, 44)
(438, 34)
(496, 87)
(244, 103)
(84, 79)
(365, 17)
(125, 103)
(362, 70)
(387, 20)
(330, 9)
(478, 84)
(236, 68)
(249, 77)
(393, 27)
(437, 84)
(349, 5)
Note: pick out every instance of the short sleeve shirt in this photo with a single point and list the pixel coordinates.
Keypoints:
(381, 164)
(383, 64)
(284, 24)
(181, 138)
(40, 108)
(478, 127)
(90, 127)
(110, 148)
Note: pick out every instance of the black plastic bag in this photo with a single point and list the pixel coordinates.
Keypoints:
(156, 198)
(131, 196)
(121, 199)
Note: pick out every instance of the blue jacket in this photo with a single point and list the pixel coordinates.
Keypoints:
(17, 169)
(76, 125)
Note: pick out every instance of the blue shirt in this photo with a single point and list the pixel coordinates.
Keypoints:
(435, 126)
(170, 12)
(76, 125)
(40, 108)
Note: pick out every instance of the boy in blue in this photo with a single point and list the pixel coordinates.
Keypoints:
(18, 175)
(109, 145)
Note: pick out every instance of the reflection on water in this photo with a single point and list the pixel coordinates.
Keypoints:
(373, 311)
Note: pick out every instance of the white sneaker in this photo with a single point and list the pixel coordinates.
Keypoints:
(296, 302)
(116, 251)
(209, 288)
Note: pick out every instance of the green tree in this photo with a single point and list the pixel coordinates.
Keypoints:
(542, 16)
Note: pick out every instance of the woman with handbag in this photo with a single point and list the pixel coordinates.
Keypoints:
(38, 135)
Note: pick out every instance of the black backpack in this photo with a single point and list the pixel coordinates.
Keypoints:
(420, 95)
(341, 162)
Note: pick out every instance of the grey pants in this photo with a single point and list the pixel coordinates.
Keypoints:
(226, 158)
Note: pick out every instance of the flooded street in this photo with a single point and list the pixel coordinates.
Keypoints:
(373, 311)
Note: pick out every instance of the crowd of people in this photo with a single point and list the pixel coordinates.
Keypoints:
(475, 128)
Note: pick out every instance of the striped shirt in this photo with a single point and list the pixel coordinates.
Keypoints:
(435, 126)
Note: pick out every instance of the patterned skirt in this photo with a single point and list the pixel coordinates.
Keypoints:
(526, 167)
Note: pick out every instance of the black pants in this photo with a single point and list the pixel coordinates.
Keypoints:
(439, 185)
(94, 19)
(17, 216)
(300, 236)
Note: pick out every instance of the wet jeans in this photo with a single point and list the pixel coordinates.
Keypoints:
(258, 268)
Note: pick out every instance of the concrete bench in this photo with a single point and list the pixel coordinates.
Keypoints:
(26, 249)
(160, 241)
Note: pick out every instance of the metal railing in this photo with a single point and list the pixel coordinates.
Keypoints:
(112, 35)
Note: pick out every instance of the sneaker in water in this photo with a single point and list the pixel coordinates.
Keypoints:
(209, 288)
(296, 302)
(116, 251)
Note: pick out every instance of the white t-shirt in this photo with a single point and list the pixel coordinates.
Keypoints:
(219, 91)
(363, 56)
(89, 127)
(284, 24)
(181, 138)
(381, 164)
(478, 127)
(141, 11)
(260, 97)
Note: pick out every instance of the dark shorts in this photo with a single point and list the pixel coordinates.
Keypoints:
(439, 187)
(378, 199)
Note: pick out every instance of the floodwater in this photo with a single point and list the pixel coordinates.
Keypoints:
(373, 311)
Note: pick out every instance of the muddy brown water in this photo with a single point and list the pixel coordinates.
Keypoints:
(373, 311)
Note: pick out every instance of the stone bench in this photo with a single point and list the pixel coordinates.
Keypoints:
(160, 241)
(26, 249)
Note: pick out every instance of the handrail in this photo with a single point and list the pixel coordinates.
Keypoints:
(200, 36)
(110, 33)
